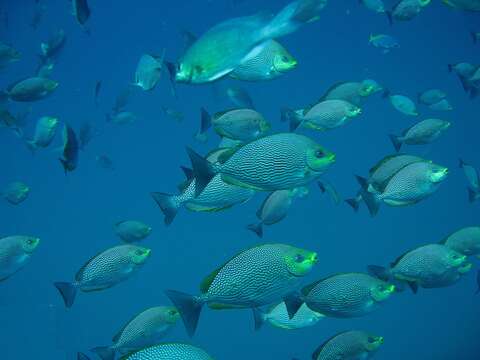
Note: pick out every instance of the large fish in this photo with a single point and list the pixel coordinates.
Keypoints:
(170, 351)
(258, 276)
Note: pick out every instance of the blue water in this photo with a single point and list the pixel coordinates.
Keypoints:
(73, 215)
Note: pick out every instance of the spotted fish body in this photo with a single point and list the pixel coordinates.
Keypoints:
(31, 89)
(329, 114)
(171, 351)
(240, 124)
(15, 252)
(276, 162)
(430, 266)
(16, 192)
(353, 92)
(346, 295)
(466, 241)
(406, 10)
(349, 345)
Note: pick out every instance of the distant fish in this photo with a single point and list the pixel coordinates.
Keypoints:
(16, 192)
(121, 118)
(327, 187)
(148, 71)
(402, 103)
(473, 180)
(374, 5)
(431, 96)
(8, 55)
(51, 49)
(173, 114)
(30, 89)
(104, 162)
(442, 105)
(121, 100)
(98, 87)
(423, 132)
(385, 42)
(132, 230)
(69, 159)
(406, 10)
(80, 11)
(15, 252)
(240, 97)
(44, 133)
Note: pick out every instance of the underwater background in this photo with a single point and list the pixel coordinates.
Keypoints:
(74, 215)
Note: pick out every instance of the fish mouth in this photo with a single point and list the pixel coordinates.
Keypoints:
(465, 268)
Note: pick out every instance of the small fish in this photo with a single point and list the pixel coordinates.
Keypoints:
(429, 266)
(132, 231)
(255, 165)
(277, 315)
(406, 10)
(442, 105)
(349, 345)
(30, 89)
(464, 72)
(169, 351)
(69, 159)
(385, 42)
(475, 36)
(121, 118)
(121, 100)
(258, 276)
(275, 208)
(44, 133)
(353, 92)
(15, 252)
(466, 5)
(144, 330)
(473, 179)
(402, 104)
(98, 87)
(374, 5)
(410, 185)
(8, 55)
(50, 49)
(237, 124)
(86, 134)
(240, 97)
(173, 114)
(148, 71)
(466, 241)
(80, 11)
(104, 162)
(16, 192)
(431, 96)
(271, 62)
(323, 116)
(423, 132)
(15, 123)
(356, 294)
(104, 270)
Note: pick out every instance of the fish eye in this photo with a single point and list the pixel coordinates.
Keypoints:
(285, 59)
(299, 258)
(198, 69)
(319, 153)
(139, 252)
(371, 340)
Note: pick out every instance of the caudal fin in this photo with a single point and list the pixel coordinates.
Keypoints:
(104, 352)
(167, 204)
(68, 292)
(293, 302)
(354, 203)
(369, 198)
(189, 308)
(397, 144)
(472, 195)
(292, 117)
(205, 120)
(257, 229)
(258, 317)
(202, 170)
(82, 356)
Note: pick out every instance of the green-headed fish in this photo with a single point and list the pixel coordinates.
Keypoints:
(277, 315)
(275, 162)
(421, 133)
(15, 252)
(256, 277)
(132, 230)
(428, 266)
(349, 345)
(466, 241)
(170, 351)
(16, 192)
(143, 330)
(104, 270)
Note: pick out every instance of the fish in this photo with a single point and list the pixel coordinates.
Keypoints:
(353, 92)
(121, 100)
(104, 162)
(402, 104)
(323, 116)
(169, 351)
(475, 36)
(351, 344)
(421, 133)
(464, 72)
(376, 6)
(14, 122)
(44, 133)
(277, 316)
(473, 180)
(410, 185)
(275, 208)
(132, 230)
(442, 105)
(51, 49)
(15, 253)
(38, 12)
(173, 114)
(428, 266)
(275, 162)
(105, 270)
(44, 70)
(240, 97)
(271, 62)
(221, 49)
(216, 196)
(121, 118)
(8, 55)
(237, 124)
(98, 87)
(466, 241)
(255, 277)
(385, 42)
(86, 134)
(148, 71)
(431, 96)
(81, 11)
(466, 5)
(16, 192)
(30, 89)
(143, 330)
(69, 160)
(345, 295)
(406, 10)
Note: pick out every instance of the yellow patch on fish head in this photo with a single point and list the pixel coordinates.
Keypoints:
(140, 255)
(374, 342)
(284, 62)
(29, 244)
(319, 159)
(382, 291)
(438, 174)
(299, 261)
